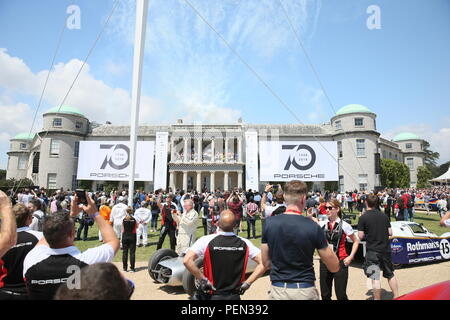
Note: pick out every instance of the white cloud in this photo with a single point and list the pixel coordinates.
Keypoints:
(439, 140)
(192, 65)
(13, 120)
(94, 98)
(116, 69)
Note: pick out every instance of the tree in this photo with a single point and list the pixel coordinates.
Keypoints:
(423, 175)
(331, 186)
(394, 174)
(17, 184)
(2, 174)
(430, 159)
(442, 169)
(85, 184)
(108, 186)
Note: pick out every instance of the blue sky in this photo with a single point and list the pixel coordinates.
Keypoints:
(400, 71)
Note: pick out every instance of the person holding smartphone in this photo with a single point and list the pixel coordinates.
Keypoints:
(54, 258)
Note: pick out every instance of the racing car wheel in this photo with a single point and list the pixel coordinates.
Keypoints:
(190, 284)
(155, 259)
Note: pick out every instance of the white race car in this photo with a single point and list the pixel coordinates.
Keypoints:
(412, 243)
(165, 266)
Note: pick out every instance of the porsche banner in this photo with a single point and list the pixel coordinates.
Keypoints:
(298, 160)
(251, 160)
(161, 147)
(110, 160)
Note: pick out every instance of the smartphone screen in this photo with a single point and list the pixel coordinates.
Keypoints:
(81, 195)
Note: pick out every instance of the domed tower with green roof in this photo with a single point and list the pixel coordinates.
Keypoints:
(413, 153)
(19, 155)
(66, 127)
(354, 129)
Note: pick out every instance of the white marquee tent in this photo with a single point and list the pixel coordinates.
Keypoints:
(443, 178)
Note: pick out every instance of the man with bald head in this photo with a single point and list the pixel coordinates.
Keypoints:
(225, 256)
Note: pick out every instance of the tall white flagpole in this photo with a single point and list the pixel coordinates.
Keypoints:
(139, 45)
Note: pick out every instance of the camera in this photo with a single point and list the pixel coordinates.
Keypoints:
(81, 195)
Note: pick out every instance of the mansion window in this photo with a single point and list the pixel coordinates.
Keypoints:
(22, 163)
(54, 148)
(360, 147)
(57, 122)
(339, 145)
(76, 150)
(410, 163)
(362, 180)
(51, 181)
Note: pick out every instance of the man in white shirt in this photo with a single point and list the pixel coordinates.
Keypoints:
(38, 216)
(142, 216)
(339, 198)
(55, 258)
(267, 209)
(118, 213)
(186, 225)
(442, 206)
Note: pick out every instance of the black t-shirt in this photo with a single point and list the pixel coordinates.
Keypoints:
(221, 253)
(129, 228)
(310, 203)
(292, 240)
(13, 260)
(375, 226)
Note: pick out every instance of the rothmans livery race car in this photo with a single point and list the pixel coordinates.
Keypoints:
(166, 267)
(412, 243)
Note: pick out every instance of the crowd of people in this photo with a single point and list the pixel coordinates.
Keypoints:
(38, 232)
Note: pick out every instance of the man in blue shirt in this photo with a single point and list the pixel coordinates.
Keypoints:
(287, 246)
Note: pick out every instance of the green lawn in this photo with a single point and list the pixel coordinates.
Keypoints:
(144, 253)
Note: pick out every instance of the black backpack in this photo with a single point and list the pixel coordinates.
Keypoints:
(410, 202)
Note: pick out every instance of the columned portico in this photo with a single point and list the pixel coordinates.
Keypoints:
(239, 184)
(185, 175)
(199, 150)
(185, 151)
(199, 181)
(225, 180)
(239, 151)
(172, 180)
(212, 180)
(226, 149)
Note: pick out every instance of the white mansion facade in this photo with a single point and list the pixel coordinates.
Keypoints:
(209, 156)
